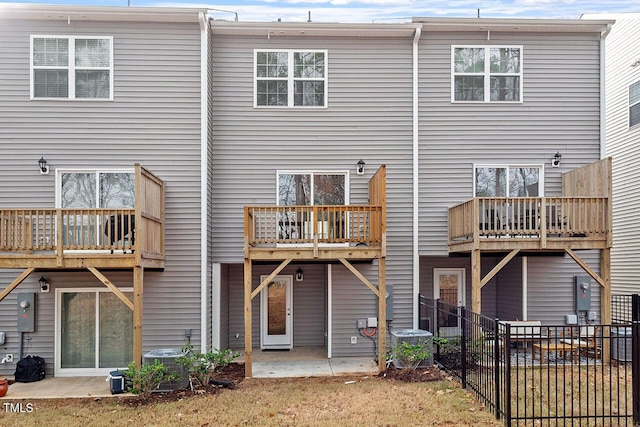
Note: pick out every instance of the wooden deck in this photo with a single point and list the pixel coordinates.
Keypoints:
(325, 233)
(80, 238)
(530, 223)
(91, 239)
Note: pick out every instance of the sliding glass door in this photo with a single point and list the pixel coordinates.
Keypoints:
(94, 332)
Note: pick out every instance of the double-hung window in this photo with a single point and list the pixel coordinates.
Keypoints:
(486, 73)
(71, 67)
(290, 78)
(634, 104)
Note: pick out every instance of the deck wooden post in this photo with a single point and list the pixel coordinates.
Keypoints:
(138, 278)
(382, 315)
(476, 288)
(247, 319)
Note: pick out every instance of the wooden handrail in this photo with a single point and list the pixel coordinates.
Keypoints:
(332, 224)
(586, 217)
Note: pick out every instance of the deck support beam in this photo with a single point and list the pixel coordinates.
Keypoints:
(16, 282)
(111, 286)
(476, 287)
(498, 267)
(138, 279)
(247, 319)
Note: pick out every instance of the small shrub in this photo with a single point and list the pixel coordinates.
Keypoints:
(411, 355)
(146, 379)
(203, 366)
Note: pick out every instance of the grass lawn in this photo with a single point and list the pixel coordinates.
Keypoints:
(326, 401)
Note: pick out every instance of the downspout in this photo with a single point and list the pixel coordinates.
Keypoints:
(603, 105)
(416, 199)
(204, 187)
(525, 288)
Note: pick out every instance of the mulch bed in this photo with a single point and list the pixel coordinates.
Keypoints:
(234, 372)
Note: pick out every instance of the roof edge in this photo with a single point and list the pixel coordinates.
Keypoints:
(99, 13)
(513, 24)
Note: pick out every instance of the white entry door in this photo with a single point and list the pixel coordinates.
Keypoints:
(449, 287)
(276, 313)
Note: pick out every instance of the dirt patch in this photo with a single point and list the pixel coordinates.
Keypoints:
(412, 375)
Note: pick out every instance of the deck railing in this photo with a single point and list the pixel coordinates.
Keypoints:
(33, 230)
(326, 224)
(138, 230)
(586, 217)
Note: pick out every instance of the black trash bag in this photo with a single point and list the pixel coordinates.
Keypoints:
(30, 369)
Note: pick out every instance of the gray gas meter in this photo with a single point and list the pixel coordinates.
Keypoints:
(583, 292)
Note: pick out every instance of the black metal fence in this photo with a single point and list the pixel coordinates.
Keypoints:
(530, 374)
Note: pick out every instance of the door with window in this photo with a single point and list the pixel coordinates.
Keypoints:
(91, 190)
(94, 331)
(312, 189)
(522, 182)
(276, 313)
(449, 288)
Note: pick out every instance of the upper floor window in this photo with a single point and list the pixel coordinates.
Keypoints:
(71, 67)
(288, 78)
(634, 104)
(508, 181)
(486, 74)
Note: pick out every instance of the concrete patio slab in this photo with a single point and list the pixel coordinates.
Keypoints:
(54, 388)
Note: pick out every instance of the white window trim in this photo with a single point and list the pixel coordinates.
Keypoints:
(631, 105)
(347, 182)
(71, 67)
(290, 78)
(487, 73)
(507, 167)
(59, 172)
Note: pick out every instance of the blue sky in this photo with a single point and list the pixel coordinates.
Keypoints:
(383, 11)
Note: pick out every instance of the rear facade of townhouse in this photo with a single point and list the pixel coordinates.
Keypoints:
(295, 185)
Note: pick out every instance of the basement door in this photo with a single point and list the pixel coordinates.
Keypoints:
(449, 288)
(276, 314)
(94, 332)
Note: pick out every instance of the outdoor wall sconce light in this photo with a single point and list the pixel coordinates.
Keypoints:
(556, 160)
(299, 275)
(44, 284)
(187, 335)
(360, 167)
(44, 168)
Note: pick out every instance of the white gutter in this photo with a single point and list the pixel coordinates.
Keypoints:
(416, 199)
(603, 104)
(204, 121)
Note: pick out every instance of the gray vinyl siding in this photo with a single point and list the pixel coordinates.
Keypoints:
(309, 305)
(623, 144)
(368, 117)
(352, 300)
(551, 293)
(560, 112)
(154, 119)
